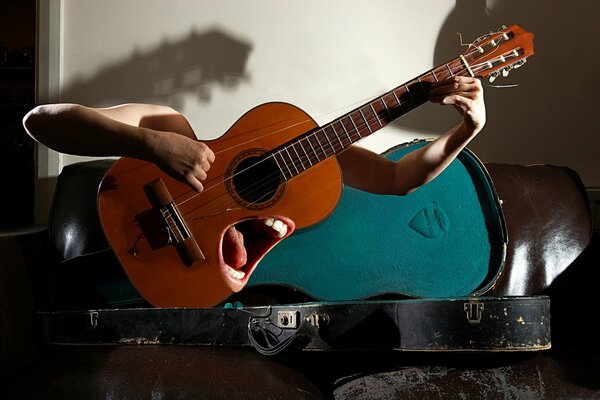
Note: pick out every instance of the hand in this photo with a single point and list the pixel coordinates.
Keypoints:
(183, 158)
(466, 95)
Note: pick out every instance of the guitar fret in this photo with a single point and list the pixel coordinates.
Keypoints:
(449, 70)
(312, 148)
(421, 84)
(298, 156)
(375, 113)
(286, 164)
(292, 160)
(434, 75)
(337, 137)
(279, 166)
(389, 113)
(409, 94)
(355, 127)
(366, 122)
(320, 133)
(398, 100)
(350, 141)
(320, 145)
(328, 141)
(305, 153)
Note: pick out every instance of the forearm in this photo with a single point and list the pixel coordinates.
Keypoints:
(375, 174)
(132, 130)
(74, 129)
(425, 164)
(371, 172)
(365, 170)
(147, 132)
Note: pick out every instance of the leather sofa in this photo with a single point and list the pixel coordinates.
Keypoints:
(551, 251)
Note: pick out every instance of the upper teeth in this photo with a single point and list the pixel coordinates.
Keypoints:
(236, 274)
(277, 226)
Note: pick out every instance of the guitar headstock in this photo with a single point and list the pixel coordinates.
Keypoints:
(499, 52)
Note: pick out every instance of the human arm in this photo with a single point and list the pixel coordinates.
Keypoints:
(152, 133)
(371, 172)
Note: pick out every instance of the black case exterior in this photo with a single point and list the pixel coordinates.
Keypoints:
(499, 324)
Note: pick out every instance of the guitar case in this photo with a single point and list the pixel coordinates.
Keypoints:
(381, 272)
(446, 239)
(499, 324)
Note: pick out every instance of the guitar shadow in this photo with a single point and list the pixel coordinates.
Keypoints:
(194, 65)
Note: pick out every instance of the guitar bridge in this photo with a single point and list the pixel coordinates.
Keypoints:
(179, 234)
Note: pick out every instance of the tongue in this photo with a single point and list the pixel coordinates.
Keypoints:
(234, 252)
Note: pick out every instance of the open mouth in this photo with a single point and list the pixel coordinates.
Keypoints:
(246, 243)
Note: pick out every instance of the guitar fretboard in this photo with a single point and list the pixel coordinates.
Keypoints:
(333, 138)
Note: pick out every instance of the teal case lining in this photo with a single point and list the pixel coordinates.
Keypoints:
(446, 239)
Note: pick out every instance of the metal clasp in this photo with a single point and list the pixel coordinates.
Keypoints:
(93, 319)
(317, 320)
(474, 312)
(288, 319)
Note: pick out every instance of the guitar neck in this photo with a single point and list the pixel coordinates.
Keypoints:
(333, 138)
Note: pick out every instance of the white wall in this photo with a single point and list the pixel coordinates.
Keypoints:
(215, 59)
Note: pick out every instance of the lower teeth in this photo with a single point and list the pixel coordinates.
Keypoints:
(236, 274)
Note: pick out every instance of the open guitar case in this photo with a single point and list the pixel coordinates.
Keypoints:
(409, 273)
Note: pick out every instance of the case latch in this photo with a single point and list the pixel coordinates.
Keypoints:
(288, 319)
(474, 312)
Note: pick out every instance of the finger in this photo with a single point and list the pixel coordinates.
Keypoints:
(205, 165)
(455, 79)
(194, 183)
(468, 92)
(454, 87)
(210, 156)
(464, 103)
(457, 83)
(206, 152)
(200, 174)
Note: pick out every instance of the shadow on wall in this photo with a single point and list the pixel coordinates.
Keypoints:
(165, 75)
(469, 18)
(551, 117)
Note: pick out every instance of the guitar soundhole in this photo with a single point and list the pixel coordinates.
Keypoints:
(256, 181)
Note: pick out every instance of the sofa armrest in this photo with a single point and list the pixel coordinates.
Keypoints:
(548, 222)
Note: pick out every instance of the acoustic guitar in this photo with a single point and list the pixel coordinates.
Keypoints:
(275, 171)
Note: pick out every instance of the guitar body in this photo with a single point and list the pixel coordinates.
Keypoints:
(144, 245)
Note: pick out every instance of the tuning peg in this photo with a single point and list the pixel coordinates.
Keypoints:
(505, 71)
(504, 35)
(493, 76)
(519, 63)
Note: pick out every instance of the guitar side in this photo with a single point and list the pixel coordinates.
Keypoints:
(147, 245)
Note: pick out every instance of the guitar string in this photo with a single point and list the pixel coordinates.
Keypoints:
(368, 122)
(467, 54)
(275, 178)
(298, 165)
(337, 148)
(475, 50)
(317, 129)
